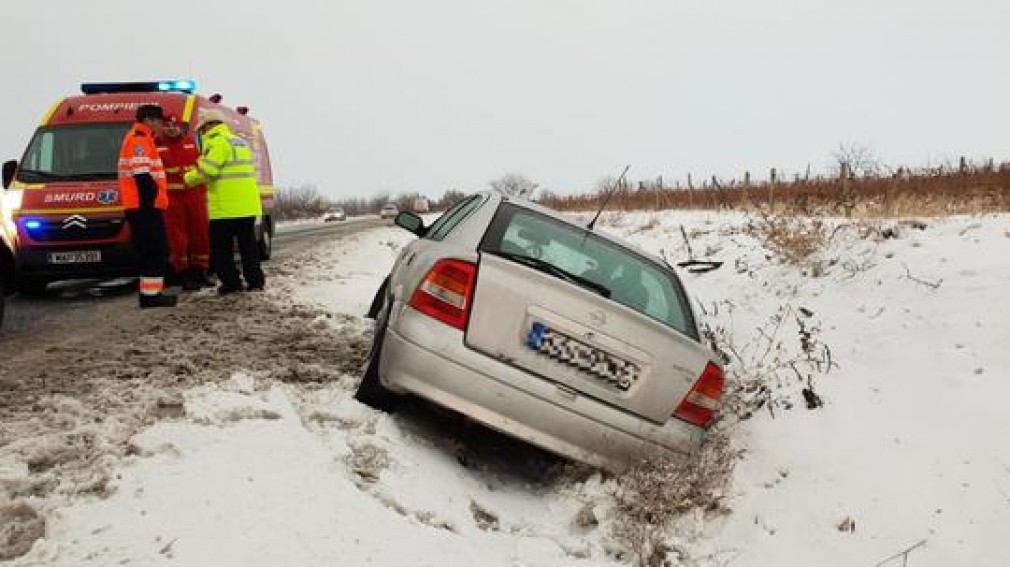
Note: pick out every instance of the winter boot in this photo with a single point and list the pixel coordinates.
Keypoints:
(175, 279)
(158, 300)
(224, 289)
(201, 278)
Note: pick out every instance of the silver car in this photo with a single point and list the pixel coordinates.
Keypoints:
(548, 331)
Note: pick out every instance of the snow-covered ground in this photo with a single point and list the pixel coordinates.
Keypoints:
(906, 452)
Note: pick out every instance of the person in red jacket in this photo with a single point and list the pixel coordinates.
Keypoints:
(186, 219)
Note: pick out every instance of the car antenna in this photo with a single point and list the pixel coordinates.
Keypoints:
(606, 199)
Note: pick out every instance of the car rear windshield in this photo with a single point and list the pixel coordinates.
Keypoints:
(79, 152)
(583, 257)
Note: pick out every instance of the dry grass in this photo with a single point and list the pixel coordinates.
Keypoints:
(928, 192)
(797, 241)
(650, 496)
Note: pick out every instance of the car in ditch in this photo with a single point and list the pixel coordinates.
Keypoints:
(572, 340)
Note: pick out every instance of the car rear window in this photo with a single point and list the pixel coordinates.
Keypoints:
(632, 279)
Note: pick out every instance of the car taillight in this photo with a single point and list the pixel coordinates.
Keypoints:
(700, 404)
(446, 292)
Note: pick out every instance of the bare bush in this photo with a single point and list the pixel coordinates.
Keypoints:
(796, 241)
(514, 185)
(770, 372)
(856, 160)
(648, 497)
(303, 201)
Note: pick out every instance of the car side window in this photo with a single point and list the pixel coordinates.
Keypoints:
(448, 221)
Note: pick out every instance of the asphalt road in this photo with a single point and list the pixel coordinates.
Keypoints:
(67, 302)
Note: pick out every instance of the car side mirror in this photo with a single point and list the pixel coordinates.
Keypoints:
(411, 222)
(8, 174)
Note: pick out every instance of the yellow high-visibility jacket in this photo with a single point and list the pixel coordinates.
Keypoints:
(228, 168)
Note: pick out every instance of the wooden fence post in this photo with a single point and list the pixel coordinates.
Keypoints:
(690, 192)
(771, 189)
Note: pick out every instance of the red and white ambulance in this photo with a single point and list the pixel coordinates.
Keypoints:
(64, 212)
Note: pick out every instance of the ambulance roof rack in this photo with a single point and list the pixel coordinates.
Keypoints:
(179, 86)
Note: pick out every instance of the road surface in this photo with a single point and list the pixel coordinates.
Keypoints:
(68, 302)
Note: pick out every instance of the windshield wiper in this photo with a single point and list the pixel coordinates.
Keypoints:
(547, 267)
(39, 174)
(91, 175)
(85, 176)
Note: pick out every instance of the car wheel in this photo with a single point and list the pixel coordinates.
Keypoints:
(371, 392)
(266, 245)
(32, 287)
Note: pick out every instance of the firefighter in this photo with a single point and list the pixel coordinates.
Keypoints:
(144, 193)
(186, 218)
(228, 169)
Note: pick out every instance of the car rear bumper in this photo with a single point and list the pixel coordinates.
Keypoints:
(422, 356)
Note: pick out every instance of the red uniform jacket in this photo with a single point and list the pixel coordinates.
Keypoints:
(177, 154)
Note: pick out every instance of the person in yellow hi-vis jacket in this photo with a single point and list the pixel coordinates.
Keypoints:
(227, 167)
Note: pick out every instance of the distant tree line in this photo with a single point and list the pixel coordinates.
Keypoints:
(305, 201)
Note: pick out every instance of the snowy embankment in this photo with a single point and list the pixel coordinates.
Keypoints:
(899, 334)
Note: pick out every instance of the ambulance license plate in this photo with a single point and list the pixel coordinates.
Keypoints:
(76, 257)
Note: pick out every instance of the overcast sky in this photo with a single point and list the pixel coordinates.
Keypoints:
(365, 96)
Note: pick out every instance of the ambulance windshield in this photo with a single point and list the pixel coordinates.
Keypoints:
(78, 152)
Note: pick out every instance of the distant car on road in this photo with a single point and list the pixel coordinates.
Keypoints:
(546, 330)
(336, 214)
(389, 210)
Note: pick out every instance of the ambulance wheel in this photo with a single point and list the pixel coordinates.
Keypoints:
(266, 245)
(32, 287)
(371, 392)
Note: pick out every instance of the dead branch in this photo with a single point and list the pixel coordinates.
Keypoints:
(903, 554)
(687, 242)
(908, 275)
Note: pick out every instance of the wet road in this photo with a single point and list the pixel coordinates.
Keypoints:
(71, 300)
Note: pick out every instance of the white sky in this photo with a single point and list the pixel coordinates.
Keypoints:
(365, 96)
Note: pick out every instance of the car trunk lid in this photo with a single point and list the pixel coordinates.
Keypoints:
(587, 344)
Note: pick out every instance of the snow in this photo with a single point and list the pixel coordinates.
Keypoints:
(908, 446)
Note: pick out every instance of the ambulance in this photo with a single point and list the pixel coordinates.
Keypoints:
(63, 210)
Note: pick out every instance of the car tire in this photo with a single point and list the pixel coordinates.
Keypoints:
(370, 391)
(266, 244)
(32, 287)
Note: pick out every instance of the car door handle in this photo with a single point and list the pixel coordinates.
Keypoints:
(410, 258)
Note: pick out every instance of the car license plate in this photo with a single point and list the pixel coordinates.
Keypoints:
(76, 257)
(615, 371)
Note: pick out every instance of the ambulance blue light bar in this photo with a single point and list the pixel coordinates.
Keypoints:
(177, 86)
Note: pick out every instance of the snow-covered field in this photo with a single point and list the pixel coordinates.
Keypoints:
(906, 346)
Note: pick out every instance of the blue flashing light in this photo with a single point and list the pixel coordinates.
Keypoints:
(33, 224)
(182, 86)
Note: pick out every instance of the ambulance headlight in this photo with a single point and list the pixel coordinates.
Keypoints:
(12, 199)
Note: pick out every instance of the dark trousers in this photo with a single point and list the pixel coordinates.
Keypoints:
(223, 234)
(147, 231)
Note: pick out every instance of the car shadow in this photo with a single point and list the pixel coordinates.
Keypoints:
(482, 449)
